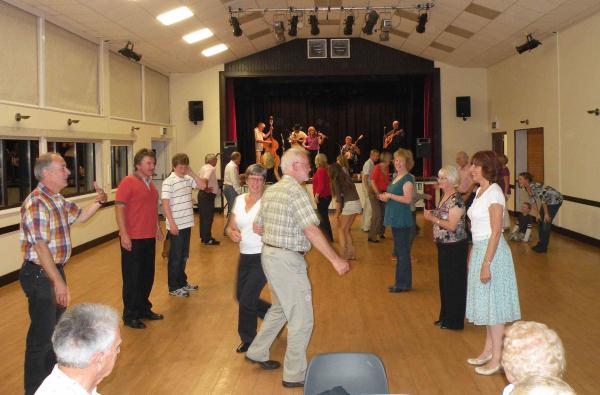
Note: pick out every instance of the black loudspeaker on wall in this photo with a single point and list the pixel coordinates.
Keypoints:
(423, 147)
(196, 111)
(463, 107)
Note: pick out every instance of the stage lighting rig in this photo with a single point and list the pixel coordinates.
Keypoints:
(422, 21)
(128, 52)
(314, 24)
(348, 25)
(293, 32)
(235, 25)
(370, 20)
(531, 43)
(279, 30)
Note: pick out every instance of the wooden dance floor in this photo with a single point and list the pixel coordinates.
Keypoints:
(193, 350)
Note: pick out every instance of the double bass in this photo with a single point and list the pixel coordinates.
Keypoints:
(271, 146)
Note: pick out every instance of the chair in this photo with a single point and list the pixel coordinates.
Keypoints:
(355, 372)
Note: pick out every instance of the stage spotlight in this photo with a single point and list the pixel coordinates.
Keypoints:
(370, 20)
(531, 43)
(128, 52)
(314, 25)
(422, 22)
(293, 32)
(235, 24)
(279, 29)
(348, 25)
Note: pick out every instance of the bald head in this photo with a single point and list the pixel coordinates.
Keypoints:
(462, 158)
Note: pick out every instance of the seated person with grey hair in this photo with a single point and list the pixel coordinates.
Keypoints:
(542, 385)
(531, 349)
(86, 341)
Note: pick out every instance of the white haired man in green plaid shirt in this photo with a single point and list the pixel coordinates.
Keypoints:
(289, 225)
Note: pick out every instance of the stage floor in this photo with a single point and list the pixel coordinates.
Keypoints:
(193, 350)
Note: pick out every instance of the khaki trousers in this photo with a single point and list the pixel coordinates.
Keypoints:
(365, 224)
(291, 296)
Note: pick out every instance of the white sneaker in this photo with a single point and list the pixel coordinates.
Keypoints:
(182, 293)
(190, 287)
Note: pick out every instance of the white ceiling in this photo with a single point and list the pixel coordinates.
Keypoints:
(456, 33)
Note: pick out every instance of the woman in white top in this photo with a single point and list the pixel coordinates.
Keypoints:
(251, 278)
(492, 296)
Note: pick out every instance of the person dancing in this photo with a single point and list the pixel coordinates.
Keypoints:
(322, 194)
(250, 278)
(346, 208)
(492, 295)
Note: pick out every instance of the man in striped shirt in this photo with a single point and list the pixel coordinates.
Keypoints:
(177, 206)
(46, 219)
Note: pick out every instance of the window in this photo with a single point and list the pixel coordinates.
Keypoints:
(17, 158)
(81, 161)
(119, 158)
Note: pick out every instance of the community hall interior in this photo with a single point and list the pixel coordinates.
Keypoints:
(98, 80)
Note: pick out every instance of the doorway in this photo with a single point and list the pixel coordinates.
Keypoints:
(162, 168)
(529, 157)
(499, 143)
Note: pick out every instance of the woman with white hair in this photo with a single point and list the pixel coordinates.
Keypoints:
(531, 349)
(450, 236)
(542, 385)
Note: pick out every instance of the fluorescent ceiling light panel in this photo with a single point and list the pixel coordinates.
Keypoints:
(198, 35)
(174, 16)
(214, 50)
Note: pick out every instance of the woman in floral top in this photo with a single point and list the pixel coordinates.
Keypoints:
(450, 236)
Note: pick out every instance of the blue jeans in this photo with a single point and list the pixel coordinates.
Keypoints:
(545, 228)
(230, 194)
(402, 244)
(44, 314)
(178, 256)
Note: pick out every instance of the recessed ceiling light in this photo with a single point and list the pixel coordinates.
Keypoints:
(174, 16)
(198, 35)
(214, 50)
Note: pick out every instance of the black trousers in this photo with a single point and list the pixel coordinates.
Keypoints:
(137, 267)
(179, 253)
(250, 282)
(323, 209)
(544, 229)
(452, 267)
(206, 207)
(44, 314)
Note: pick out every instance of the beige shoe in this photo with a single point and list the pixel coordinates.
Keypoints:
(479, 362)
(488, 372)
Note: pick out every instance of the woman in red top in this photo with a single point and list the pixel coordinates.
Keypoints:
(380, 178)
(322, 193)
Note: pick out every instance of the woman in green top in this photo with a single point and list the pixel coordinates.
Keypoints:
(399, 217)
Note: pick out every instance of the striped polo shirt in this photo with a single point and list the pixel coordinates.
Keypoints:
(178, 190)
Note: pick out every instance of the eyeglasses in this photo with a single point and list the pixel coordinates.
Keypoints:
(441, 178)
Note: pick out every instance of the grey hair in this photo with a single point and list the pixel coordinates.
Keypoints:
(321, 160)
(451, 173)
(290, 157)
(256, 170)
(82, 331)
(209, 157)
(43, 162)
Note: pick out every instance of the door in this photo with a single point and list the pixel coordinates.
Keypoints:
(162, 168)
(498, 142)
(529, 157)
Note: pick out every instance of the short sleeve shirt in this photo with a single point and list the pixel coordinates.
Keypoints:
(398, 215)
(479, 213)
(141, 206)
(285, 212)
(258, 135)
(47, 216)
(546, 193)
(368, 168)
(251, 242)
(208, 172)
(442, 235)
(178, 191)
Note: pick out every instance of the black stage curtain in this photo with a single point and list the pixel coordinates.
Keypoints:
(336, 106)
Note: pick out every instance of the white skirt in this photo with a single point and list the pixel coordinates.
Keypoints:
(352, 207)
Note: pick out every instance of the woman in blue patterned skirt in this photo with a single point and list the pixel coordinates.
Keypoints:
(492, 296)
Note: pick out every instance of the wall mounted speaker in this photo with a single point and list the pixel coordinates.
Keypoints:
(423, 147)
(463, 107)
(196, 111)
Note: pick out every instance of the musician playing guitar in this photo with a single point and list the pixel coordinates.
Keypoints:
(351, 151)
(388, 139)
(297, 137)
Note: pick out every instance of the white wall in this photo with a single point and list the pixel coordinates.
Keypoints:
(473, 134)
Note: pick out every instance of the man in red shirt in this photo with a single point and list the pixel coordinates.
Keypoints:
(136, 207)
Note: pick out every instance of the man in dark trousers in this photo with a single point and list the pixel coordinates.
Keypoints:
(206, 199)
(136, 208)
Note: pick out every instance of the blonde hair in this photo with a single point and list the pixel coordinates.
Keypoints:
(546, 385)
(531, 348)
(321, 160)
(451, 173)
(407, 155)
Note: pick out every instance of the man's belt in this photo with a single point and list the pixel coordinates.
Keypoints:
(287, 249)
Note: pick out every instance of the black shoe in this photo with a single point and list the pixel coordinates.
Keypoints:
(243, 347)
(382, 236)
(395, 289)
(539, 249)
(437, 323)
(135, 324)
(212, 242)
(450, 327)
(266, 365)
(373, 241)
(292, 384)
(152, 316)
